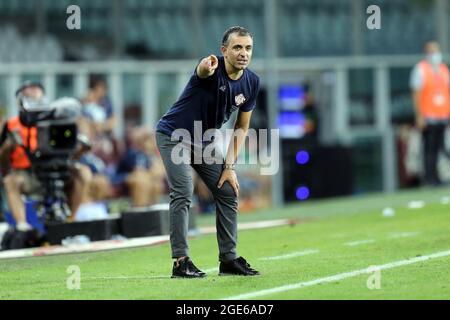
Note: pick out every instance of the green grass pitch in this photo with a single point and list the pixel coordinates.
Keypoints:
(336, 236)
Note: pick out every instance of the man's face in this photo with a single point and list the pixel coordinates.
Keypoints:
(101, 90)
(432, 47)
(31, 98)
(238, 52)
(433, 53)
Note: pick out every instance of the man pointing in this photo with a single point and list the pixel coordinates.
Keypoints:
(218, 87)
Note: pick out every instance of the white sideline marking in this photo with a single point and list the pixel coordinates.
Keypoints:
(402, 235)
(357, 243)
(127, 277)
(254, 225)
(128, 243)
(337, 277)
(291, 255)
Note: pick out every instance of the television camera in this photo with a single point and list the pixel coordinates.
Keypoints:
(56, 135)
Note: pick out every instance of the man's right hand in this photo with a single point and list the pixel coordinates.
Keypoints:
(207, 66)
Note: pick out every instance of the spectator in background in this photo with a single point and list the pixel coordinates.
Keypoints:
(140, 169)
(92, 200)
(430, 91)
(97, 107)
(98, 121)
(93, 204)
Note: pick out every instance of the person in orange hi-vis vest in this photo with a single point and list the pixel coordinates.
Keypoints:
(430, 89)
(19, 179)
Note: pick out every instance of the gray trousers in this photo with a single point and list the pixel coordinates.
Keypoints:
(181, 190)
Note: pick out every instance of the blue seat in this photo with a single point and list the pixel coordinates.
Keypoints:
(31, 216)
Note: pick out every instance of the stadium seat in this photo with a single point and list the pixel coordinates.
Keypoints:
(15, 48)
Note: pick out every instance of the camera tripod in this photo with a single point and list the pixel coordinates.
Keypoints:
(53, 174)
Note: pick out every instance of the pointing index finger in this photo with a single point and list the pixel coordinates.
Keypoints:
(213, 59)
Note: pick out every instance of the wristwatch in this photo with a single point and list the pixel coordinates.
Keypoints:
(229, 166)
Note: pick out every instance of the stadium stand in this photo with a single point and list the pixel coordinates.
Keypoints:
(305, 28)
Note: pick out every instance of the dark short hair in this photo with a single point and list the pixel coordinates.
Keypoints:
(240, 31)
(29, 84)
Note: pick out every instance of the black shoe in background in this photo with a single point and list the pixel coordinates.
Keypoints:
(186, 269)
(238, 267)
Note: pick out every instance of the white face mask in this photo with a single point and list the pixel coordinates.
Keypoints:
(435, 58)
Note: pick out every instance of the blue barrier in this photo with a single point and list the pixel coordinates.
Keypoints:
(31, 214)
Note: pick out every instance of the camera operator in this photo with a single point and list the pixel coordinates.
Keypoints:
(14, 139)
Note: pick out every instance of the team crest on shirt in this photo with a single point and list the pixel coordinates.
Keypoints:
(239, 99)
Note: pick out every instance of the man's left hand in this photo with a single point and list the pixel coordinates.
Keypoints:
(230, 176)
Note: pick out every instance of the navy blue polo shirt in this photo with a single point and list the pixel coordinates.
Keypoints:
(211, 100)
